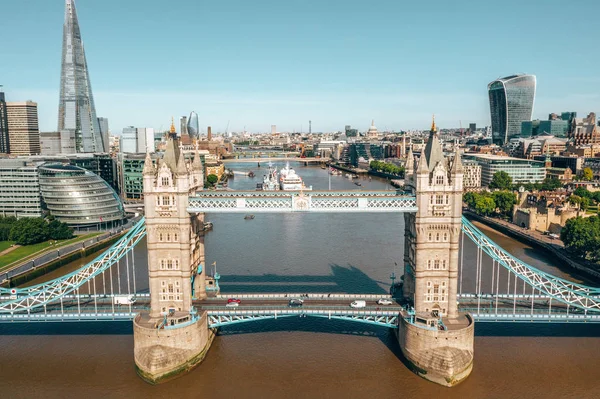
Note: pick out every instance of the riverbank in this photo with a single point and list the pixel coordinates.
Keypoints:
(30, 271)
(554, 248)
(349, 169)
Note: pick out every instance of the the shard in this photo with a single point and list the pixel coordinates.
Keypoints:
(76, 112)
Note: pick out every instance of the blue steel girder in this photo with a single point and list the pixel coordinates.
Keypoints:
(380, 318)
(301, 201)
(42, 294)
(564, 291)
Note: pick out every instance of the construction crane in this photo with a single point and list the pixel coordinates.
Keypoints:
(461, 128)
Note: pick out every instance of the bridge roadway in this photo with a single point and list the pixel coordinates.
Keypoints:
(253, 307)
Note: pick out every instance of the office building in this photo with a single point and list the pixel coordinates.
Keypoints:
(19, 189)
(79, 197)
(562, 162)
(520, 170)
(472, 127)
(511, 102)
(193, 128)
(23, 129)
(4, 139)
(273, 129)
(131, 167)
(137, 140)
(76, 110)
(583, 130)
(472, 174)
(103, 124)
(183, 126)
(55, 143)
(554, 127)
(350, 132)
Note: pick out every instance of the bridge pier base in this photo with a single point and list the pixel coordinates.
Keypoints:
(162, 354)
(441, 356)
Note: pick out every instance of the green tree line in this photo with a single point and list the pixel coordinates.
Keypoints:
(486, 203)
(581, 237)
(385, 167)
(27, 231)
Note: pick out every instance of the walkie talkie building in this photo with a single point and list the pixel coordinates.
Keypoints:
(511, 102)
(76, 111)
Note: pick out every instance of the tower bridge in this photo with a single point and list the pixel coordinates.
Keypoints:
(434, 308)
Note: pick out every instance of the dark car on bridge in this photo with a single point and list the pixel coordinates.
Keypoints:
(295, 302)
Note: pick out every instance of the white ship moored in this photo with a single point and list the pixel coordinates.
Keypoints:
(290, 181)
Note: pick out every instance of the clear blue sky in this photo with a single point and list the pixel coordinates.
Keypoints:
(336, 62)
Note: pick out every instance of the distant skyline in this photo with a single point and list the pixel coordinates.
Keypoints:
(259, 63)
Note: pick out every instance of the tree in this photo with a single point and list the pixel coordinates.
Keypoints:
(212, 179)
(59, 230)
(469, 199)
(504, 201)
(583, 192)
(501, 180)
(581, 236)
(27, 231)
(588, 175)
(485, 205)
(551, 183)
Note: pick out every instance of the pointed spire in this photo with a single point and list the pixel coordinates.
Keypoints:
(422, 168)
(197, 165)
(433, 126)
(181, 168)
(172, 131)
(148, 166)
(409, 166)
(457, 166)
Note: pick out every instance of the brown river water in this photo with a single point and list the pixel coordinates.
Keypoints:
(305, 358)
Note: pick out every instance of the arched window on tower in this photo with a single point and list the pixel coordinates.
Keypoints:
(439, 179)
(165, 181)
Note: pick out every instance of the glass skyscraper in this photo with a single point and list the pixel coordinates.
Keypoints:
(76, 111)
(193, 128)
(511, 102)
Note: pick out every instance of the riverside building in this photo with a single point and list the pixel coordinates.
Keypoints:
(79, 197)
(520, 170)
(19, 188)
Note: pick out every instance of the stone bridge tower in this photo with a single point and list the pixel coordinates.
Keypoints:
(434, 337)
(172, 336)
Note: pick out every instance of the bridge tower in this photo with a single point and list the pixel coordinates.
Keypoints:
(172, 336)
(434, 336)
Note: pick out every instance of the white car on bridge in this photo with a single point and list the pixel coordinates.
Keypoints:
(384, 301)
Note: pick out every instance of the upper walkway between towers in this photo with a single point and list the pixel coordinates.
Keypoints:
(302, 201)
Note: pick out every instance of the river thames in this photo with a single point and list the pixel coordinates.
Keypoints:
(305, 357)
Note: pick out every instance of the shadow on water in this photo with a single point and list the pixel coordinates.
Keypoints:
(68, 328)
(348, 279)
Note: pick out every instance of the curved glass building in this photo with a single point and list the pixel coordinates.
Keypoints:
(193, 127)
(511, 102)
(77, 196)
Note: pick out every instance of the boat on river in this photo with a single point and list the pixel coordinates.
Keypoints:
(290, 181)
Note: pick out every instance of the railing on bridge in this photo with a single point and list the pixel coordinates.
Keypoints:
(301, 201)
